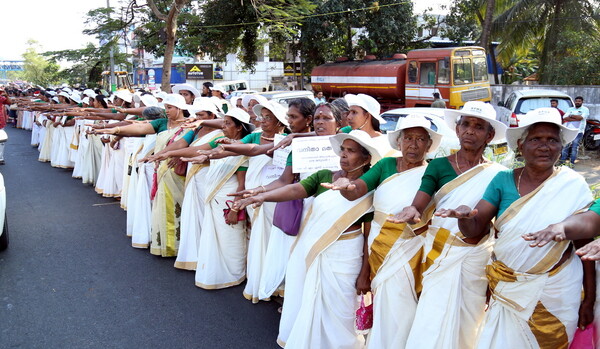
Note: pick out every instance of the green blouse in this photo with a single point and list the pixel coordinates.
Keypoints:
(159, 125)
(596, 206)
(383, 169)
(438, 172)
(313, 187)
(502, 191)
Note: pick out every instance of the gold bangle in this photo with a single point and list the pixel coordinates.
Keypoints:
(118, 130)
(264, 189)
(234, 210)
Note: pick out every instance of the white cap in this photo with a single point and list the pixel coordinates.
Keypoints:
(360, 137)
(175, 100)
(536, 116)
(415, 120)
(149, 100)
(366, 102)
(237, 113)
(89, 92)
(203, 104)
(186, 87)
(277, 109)
(124, 95)
(248, 97)
(480, 110)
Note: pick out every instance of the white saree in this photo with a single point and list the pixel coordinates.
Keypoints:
(394, 257)
(534, 303)
(192, 208)
(222, 248)
(451, 305)
(260, 172)
(277, 256)
(166, 206)
(320, 299)
(139, 212)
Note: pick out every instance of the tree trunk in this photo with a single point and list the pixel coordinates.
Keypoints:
(171, 31)
(486, 29)
(550, 42)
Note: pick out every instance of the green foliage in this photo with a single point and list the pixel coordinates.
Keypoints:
(463, 21)
(37, 69)
(381, 30)
(576, 62)
(389, 30)
(88, 63)
(525, 24)
(519, 68)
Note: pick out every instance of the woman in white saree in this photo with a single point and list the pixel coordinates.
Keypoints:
(222, 245)
(392, 271)
(536, 292)
(192, 208)
(261, 171)
(452, 300)
(167, 188)
(320, 299)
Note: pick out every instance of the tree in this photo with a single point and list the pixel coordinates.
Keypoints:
(381, 28)
(523, 24)
(88, 62)
(36, 69)
(170, 29)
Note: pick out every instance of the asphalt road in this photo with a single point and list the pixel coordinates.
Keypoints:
(70, 278)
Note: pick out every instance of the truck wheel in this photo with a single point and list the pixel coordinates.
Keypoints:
(4, 236)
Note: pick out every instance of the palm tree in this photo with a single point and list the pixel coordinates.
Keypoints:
(523, 24)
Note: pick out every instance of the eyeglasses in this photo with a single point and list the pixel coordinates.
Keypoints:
(264, 118)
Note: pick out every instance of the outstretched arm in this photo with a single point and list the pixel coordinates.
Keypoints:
(286, 193)
(412, 214)
(584, 225)
(472, 223)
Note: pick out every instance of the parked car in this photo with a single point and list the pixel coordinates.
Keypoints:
(520, 102)
(3, 222)
(239, 93)
(234, 85)
(283, 97)
(497, 151)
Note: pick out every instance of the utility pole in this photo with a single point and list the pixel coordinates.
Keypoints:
(113, 85)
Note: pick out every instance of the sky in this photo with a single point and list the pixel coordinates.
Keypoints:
(58, 25)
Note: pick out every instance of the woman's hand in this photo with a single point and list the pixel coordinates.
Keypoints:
(590, 252)
(232, 217)
(461, 212)
(196, 159)
(248, 192)
(363, 282)
(174, 161)
(540, 238)
(409, 215)
(341, 183)
(114, 143)
(191, 123)
(107, 131)
(255, 201)
(158, 157)
(586, 313)
(224, 140)
(285, 142)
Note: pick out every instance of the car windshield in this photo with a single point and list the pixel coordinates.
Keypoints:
(526, 104)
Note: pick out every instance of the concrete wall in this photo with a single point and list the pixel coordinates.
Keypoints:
(590, 94)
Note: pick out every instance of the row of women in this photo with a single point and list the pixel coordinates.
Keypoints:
(458, 252)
